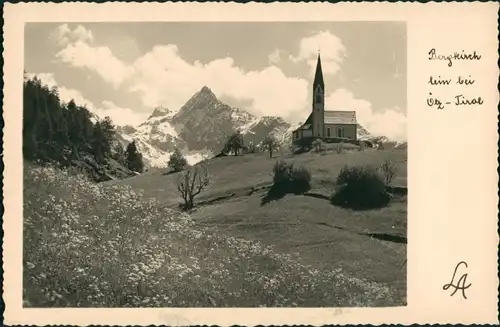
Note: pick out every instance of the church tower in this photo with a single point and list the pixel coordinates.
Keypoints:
(318, 107)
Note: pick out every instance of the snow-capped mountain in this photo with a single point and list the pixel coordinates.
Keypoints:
(156, 138)
(201, 127)
(205, 122)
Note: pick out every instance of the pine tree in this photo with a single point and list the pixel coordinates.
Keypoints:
(102, 139)
(98, 142)
(119, 154)
(134, 158)
(177, 162)
(30, 120)
(52, 129)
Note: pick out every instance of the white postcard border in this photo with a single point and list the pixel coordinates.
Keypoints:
(440, 235)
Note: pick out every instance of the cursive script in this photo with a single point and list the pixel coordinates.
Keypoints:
(453, 56)
(460, 284)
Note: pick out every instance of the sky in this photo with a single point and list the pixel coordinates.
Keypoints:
(125, 70)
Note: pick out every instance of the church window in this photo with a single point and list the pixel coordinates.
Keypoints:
(328, 131)
(340, 132)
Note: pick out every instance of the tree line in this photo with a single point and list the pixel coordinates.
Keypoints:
(62, 132)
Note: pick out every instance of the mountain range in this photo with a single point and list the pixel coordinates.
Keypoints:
(200, 128)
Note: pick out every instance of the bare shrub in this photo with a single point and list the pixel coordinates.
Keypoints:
(191, 183)
(389, 171)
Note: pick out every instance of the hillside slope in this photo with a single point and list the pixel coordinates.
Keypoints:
(142, 254)
(324, 236)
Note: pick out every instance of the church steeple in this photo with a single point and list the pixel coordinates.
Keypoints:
(318, 77)
(318, 106)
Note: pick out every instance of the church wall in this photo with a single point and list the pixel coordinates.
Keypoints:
(349, 130)
(307, 133)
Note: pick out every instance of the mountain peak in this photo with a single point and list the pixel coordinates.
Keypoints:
(207, 93)
(205, 89)
(158, 112)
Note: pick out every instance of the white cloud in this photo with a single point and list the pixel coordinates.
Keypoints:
(274, 57)
(65, 35)
(330, 46)
(163, 77)
(120, 116)
(389, 122)
(97, 59)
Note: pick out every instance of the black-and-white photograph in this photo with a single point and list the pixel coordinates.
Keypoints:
(215, 164)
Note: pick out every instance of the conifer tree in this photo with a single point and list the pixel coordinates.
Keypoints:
(134, 158)
(177, 162)
(119, 154)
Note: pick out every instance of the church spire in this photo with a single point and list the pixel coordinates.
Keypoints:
(318, 77)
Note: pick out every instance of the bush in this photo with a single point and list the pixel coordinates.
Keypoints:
(300, 178)
(389, 171)
(359, 188)
(281, 172)
(177, 162)
(288, 178)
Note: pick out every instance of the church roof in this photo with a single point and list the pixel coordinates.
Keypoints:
(340, 117)
(305, 125)
(318, 77)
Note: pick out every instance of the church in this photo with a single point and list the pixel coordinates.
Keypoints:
(328, 125)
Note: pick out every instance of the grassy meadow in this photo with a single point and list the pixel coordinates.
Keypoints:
(124, 243)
